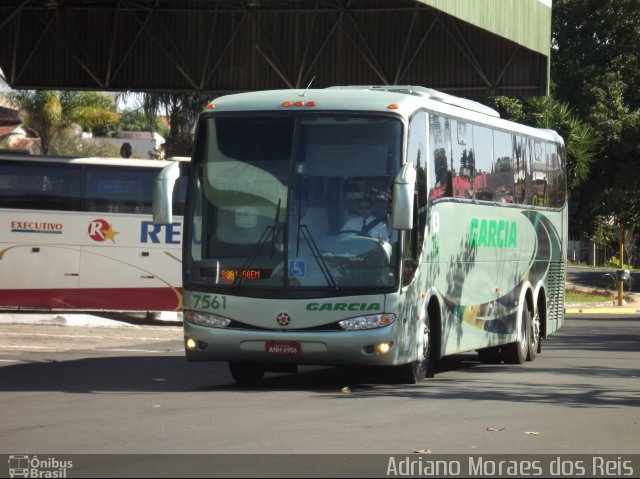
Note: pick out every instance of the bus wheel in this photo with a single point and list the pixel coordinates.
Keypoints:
(534, 337)
(516, 353)
(418, 371)
(411, 373)
(246, 374)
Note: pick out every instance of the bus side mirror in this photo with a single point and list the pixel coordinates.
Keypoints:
(404, 185)
(163, 194)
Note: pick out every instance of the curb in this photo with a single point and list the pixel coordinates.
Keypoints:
(603, 310)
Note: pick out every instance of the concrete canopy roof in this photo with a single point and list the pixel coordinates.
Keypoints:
(478, 48)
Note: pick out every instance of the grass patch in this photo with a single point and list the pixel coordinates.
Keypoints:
(574, 295)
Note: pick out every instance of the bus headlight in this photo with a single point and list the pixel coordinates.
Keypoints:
(205, 319)
(367, 322)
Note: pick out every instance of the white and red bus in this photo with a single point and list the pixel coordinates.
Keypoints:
(77, 233)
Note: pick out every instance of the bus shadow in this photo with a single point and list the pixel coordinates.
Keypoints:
(174, 374)
(478, 382)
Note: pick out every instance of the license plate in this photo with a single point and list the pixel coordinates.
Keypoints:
(282, 348)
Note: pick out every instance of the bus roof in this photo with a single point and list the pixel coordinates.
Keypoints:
(402, 100)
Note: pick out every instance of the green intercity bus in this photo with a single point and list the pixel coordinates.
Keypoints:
(463, 244)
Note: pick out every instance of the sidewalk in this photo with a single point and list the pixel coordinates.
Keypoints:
(631, 304)
(97, 319)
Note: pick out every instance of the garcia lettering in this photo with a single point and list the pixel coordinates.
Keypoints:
(492, 233)
(343, 307)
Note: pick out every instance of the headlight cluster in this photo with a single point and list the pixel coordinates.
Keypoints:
(206, 319)
(367, 322)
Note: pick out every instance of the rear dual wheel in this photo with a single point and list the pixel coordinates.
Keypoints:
(534, 337)
(517, 353)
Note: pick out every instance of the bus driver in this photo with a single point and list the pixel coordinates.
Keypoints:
(366, 223)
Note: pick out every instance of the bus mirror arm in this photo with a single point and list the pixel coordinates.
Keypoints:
(402, 203)
(163, 194)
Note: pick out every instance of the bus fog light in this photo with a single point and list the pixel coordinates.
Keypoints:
(384, 348)
(190, 344)
(205, 319)
(367, 322)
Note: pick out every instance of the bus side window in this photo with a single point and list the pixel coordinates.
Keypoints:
(503, 175)
(40, 186)
(117, 190)
(440, 157)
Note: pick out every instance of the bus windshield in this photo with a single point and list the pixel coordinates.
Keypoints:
(294, 202)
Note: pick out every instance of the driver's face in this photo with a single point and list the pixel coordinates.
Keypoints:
(365, 209)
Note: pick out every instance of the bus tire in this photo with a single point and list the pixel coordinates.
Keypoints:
(534, 337)
(418, 371)
(247, 374)
(516, 353)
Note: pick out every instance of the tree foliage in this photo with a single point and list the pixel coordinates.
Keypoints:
(182, 110)
(596, 69)
(547, 112)
(46, 113)
(131, 120)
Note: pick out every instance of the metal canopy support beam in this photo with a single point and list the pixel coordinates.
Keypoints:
(124, 58)
(330, 34)
(163, 49)
(212, 32)
(367, 54)
(226, 48)
(400, 75)
(13, 13)
(223, 46)
(112, 49)
(463, 46)
(15, 75)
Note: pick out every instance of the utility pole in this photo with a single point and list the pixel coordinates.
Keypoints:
(620, 281)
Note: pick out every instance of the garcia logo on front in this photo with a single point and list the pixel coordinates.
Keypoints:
(26, 466)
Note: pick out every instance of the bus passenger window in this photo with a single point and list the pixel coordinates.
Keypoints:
(440, 148)
(39, 186)
(503, 174)
(118, 190)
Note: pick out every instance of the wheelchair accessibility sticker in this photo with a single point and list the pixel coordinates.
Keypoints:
(297, 268)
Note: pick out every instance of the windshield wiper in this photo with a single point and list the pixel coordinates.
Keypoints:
(238, 280)
(315, 251)
(275, 227)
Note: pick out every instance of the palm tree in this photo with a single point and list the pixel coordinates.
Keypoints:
(46, 113)
(182, 110)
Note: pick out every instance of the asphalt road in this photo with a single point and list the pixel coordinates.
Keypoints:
(601, 278)
(105, 390)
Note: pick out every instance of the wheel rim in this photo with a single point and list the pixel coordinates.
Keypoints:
(425, 343)
(535, 330)
(423, 365)
(524, 345)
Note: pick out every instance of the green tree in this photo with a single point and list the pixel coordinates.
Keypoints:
(69, 143)
(581, 141)
(46, 113)
(131, 120)
(182, 110)
(596, 69)
(547, 112)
